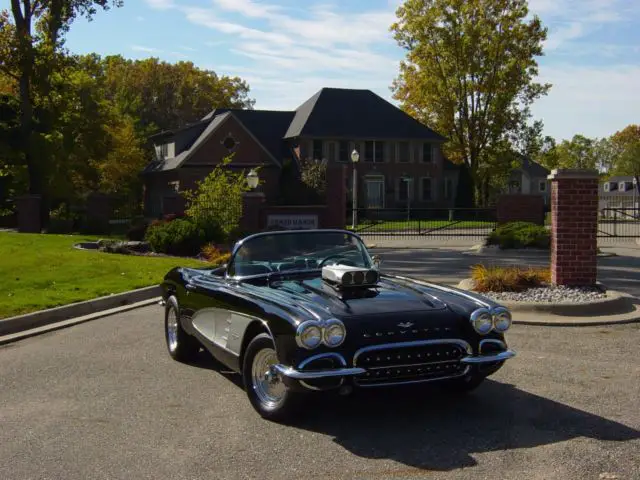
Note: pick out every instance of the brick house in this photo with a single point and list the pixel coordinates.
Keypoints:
(400, 158)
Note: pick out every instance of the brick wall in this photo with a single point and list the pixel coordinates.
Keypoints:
(520, 208)
(574, 242)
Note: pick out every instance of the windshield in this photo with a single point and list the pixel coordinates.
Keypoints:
(278, 252)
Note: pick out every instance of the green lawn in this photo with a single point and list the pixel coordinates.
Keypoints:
(43, 271)
(414, 225)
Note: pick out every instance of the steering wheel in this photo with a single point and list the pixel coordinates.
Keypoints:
(346, 262)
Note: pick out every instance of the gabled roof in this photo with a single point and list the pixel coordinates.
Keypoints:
(534, 169)
(265, 127)
(349, 113)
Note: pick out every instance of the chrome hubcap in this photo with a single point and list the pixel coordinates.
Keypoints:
(172, 329)
(266, 382)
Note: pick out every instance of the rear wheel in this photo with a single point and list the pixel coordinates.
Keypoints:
(182, 346)
(268, 394)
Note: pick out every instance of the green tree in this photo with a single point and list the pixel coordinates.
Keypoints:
(216, 203)
(166, 95)
(579, 152)
(469, 72)
(33, 35)
(626, 157)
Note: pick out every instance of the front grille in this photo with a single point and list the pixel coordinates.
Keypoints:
(409, 362)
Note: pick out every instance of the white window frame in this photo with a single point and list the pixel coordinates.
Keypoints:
(373, 179)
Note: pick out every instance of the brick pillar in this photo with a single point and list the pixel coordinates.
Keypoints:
(252, 203)
(336, 211)
(574, 237)
(29, 219)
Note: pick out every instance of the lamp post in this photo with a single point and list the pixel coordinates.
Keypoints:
(355, 156)
(253, 179)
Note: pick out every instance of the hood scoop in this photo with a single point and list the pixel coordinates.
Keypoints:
(348, 277)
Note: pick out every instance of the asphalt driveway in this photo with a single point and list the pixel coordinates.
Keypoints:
(104, 400)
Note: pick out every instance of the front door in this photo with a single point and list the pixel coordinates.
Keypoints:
(374, 193)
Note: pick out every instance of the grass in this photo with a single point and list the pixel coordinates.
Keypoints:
(44, 271)
(414, 225)
(508, 279)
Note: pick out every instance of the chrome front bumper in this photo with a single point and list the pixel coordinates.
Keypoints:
(292, 373)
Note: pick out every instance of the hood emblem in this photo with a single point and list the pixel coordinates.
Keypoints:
(405, 325)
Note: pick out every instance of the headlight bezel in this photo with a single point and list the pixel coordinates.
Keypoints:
(324, 327)
(477, 315)
(502, 312)
(328, 325)
(302, 328)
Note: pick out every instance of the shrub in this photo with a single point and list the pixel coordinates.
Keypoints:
(214, 254)
(178, 237)
(508, 279)
(520, 235)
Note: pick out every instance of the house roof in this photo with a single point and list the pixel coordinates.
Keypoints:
(348, 113)
(534, 169)
(331, 112)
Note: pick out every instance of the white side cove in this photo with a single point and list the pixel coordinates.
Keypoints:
(348, 276)
(223, 328)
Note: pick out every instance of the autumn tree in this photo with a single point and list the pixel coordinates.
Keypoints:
(626, 147)
(32, 32)
(470, 72)
(167, 95)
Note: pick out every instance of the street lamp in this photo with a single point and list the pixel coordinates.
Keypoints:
(355, 156)
(253, 179)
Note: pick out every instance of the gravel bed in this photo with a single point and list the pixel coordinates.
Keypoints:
(551, 294)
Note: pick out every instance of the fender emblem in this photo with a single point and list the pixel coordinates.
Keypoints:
(405, 325)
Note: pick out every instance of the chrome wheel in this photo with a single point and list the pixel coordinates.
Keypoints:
(266, 383)
(172, 329)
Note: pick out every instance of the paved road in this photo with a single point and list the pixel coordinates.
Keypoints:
(450, 265)
(103, 400)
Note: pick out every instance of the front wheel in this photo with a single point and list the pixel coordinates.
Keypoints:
(268, 394)
(182, 346)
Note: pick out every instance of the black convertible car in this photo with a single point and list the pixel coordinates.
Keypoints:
(306, 310)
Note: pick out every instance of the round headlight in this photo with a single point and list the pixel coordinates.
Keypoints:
(501, 319)
(482, 321)
(309, 335)
(334, 333)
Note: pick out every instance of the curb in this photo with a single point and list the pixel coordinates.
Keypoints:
(616, 304)
(24, 334)
(483, 250)
(42, 318)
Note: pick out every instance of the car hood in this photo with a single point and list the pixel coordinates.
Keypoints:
(393, 295)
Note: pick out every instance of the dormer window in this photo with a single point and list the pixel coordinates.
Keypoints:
(229, 142)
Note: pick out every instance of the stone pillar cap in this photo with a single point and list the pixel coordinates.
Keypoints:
(580, 173)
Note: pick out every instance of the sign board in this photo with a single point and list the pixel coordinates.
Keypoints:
(293, 222)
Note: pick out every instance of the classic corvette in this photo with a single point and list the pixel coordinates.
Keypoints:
(298, 311)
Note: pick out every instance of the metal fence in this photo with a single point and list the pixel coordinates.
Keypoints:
(422, 222)
(617, 223)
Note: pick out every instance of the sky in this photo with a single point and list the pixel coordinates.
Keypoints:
(288, 49)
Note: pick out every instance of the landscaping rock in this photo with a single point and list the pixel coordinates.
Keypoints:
(550, 294)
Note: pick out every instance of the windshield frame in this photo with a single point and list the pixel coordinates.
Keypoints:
(367, 256)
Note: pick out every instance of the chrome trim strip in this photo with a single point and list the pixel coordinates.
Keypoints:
(498, 357)
(411, 365)
(416, 343)
(408, 382)
(298, 375)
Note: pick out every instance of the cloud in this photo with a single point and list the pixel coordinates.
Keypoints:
(142, 48)
(593, 101)
(160, 4)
